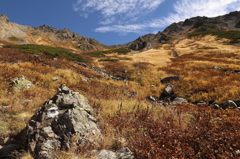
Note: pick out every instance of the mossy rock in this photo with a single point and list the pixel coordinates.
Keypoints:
(21, 83)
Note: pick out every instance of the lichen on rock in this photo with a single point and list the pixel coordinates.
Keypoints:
(64, 117)
(21, 83)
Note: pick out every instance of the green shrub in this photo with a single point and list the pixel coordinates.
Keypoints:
(102, 53)
(234, 36)
(48, 50)
(108, 59)
(13, 38)
(125, 58)
(206, 47)
(35, 33)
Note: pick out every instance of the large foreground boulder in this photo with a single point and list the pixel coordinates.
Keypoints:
(64, 122)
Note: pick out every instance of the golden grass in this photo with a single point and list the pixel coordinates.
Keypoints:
(160, 57)
(112, 105)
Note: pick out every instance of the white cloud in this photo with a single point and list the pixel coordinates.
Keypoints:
(211, 8)
(121, 15)
(121, 28)
(117, 11)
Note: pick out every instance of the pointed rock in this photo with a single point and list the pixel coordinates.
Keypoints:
(64, 121)
(4, 18)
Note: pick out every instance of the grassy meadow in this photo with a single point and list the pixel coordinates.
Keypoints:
(149, 130)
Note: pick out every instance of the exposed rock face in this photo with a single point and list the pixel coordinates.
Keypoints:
(173, 28)
(45, 35)
(46, 28)
(63, 121)
(20, 83)
(65, 34)
(4, 18)
(229, 21)
(138, 44)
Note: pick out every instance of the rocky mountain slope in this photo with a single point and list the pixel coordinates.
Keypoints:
(45, 35)
(177, 99)
(229, 21)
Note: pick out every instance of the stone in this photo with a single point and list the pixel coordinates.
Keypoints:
(230, 104)
(215, 106)
(169, 79)
(138, 44)
(152, 98)
(133, 94)
(178, 101)
(57, 79)
(168, 90)
(217, 68)
(124, 153)
(167, 96)
(64, 122)
(4, 18)
(21, 83)
(201, 103)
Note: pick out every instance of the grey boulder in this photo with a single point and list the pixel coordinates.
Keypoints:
(64, 122)
(178, 101)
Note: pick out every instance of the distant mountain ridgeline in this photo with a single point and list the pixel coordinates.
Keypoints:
(45, 35)
(226, 26)
(226, 22)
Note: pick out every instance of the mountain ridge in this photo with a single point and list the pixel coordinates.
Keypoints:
(230, 21)
(46, 35)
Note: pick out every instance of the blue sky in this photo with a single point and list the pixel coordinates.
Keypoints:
(112, 21)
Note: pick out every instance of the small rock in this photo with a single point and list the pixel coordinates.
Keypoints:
(178, 101)
(230, 104)
(169, 79)
(217, 68)
(200, 103)
(125, 71)
(215, 106)
(124, 153)
(168, 90)
(167, 96)
(57, 79)
(152, 98)
(20, 83)
(133, 94)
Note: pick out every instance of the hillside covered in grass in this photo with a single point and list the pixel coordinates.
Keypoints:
(149, 130)
(174, 94)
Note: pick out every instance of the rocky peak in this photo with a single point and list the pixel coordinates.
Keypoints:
(229, 21)
(4, 18)
(45, 28)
